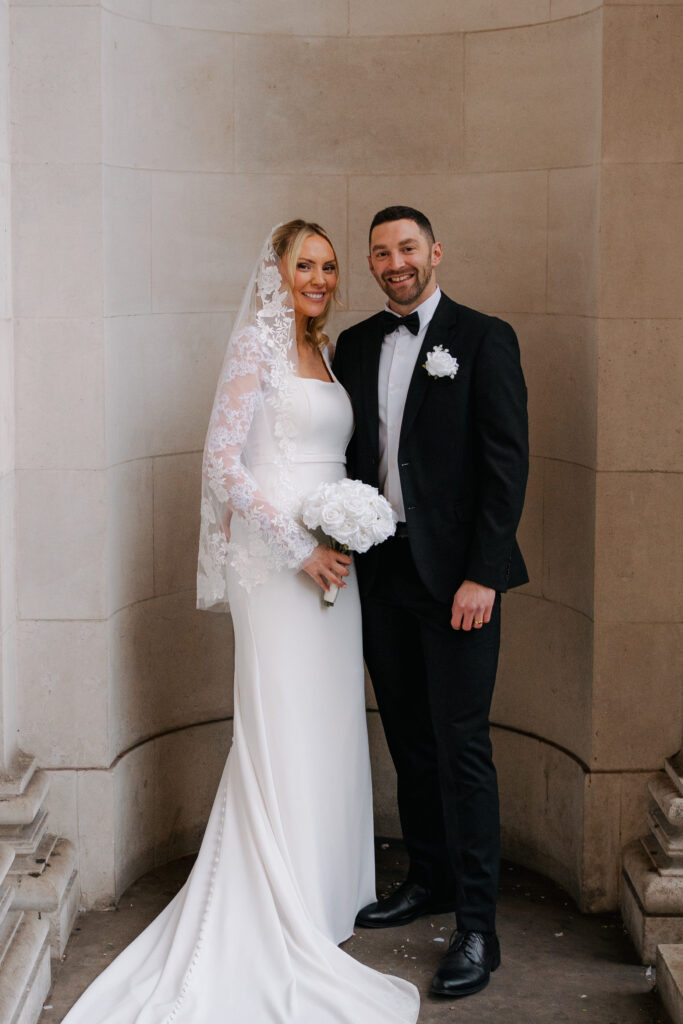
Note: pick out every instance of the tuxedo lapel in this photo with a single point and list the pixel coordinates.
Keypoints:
(438, 333)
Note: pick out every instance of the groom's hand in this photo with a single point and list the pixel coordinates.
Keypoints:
(472, 605)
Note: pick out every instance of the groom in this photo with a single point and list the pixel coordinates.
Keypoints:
(440, 409)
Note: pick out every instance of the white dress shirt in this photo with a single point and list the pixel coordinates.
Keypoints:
(399, 353)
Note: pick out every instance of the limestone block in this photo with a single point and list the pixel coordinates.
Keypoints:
(55, 83)
(62, 803)
(50, 889)
(638, 524)
(127, 218)
(61, 544)
(383, 780)
(568, 535)
(63, 707)
(570, 8)
(7, 579)
(130, 561)
(4, 84)
(162, 375)
(60, 393)
(670, 980)
(134, 805)
(533, 96)
(545, 676)
(648, 931)
(493, 228)
(636, 724)
(573, 232)
(309, 17)
(168, 96)
(139, 9)
(62, 3)
(602, 842)
(96, 841)
(560, 357)
(634, 805)
(57, 240)
(22, 810)
(641, 254)
(17, 775)
(383, 16)
(6, 399)
(207, 230)
(25, 977)
(5, 243)
(188, 769)
(8, 691)
(530, 530)
(344, 133)
(640, 380)
(657, 895)
(171, 666)
(643, 92)
(177, 486)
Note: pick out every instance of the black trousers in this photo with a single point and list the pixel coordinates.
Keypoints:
(434, 686)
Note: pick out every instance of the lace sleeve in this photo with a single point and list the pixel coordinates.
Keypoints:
(273, 539)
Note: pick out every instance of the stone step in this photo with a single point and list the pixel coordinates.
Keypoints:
(14, 782)
(25, 973)
(54, 891)
(34, 864)
(670, 980)
(22, 809)
(673, 767)
(660, 860)
(7, 856)
(6, 899)
(25, 838)
(8, 929)
(668, 798)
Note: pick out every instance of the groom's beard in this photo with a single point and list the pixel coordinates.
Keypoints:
(406, 296)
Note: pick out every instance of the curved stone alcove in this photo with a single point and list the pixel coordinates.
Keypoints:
(158, 144)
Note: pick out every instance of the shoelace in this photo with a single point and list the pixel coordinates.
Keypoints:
(465, 940)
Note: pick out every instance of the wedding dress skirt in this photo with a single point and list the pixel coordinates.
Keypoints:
(287, 857)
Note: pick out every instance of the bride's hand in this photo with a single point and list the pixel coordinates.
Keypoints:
(326, 566)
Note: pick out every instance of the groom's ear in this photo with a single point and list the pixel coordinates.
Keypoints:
(437, 253)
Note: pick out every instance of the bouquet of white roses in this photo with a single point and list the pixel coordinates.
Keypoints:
(353, 515)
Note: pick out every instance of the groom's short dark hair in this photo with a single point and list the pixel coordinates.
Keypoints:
(403, 213)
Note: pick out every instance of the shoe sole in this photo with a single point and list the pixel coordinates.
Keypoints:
(406, 918)
(462, 992)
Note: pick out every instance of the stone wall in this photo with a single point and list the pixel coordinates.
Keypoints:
(155, 143)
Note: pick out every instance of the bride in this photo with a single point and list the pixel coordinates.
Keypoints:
(287, 857)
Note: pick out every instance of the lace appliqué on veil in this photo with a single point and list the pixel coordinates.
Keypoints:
(256, 381)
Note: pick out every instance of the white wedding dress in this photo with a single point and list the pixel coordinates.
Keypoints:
(287, 858)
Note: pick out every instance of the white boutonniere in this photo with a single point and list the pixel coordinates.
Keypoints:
(440, 363)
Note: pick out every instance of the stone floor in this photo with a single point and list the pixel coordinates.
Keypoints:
(559, 967)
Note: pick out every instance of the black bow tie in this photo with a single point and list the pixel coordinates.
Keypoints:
(392, 323)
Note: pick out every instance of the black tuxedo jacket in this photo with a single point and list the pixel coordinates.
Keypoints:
(463, 448)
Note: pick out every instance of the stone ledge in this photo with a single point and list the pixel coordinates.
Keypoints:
(18, 777)
(22, 809)
(25, 974)
(657, 894)
(670, 980)
(647, 930)
(668, 799)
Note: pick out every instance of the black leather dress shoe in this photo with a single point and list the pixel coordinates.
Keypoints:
(409, 901)
(466, 967)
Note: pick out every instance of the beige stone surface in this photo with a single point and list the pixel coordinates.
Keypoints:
(637, 700)
(207, 230)
(638, 546)
(643, 86)
(177, 490)
(544, 681)
(171, 666)
(134, 801)
(57, 240)
(383, 780)
(56, 84)
(602, 843)
(63, 707)
(640, 382)
(7, 428)
(670, 979)
(61, 536)
(532, 96)
(161, 379)
(96, 840)
(382, 17)
(7, 566)
(570, 8)
(573, 240)
(559, 357)
(493, 228)
(530, 531)
(419, 127)
(8, 695)
(61, 3)
(568, 535)
(305, 17)
(62, 804)
(168, 97)
(634, 805)
(5, 243)
(138, 9)
(187, 769)
(127, 214)
(60, 389)
(4, 82)
(642, 240)
(130, 530)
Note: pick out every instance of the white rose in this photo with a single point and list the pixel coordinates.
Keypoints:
(440, 363)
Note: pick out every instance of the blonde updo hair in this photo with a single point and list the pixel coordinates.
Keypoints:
(287, 242)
